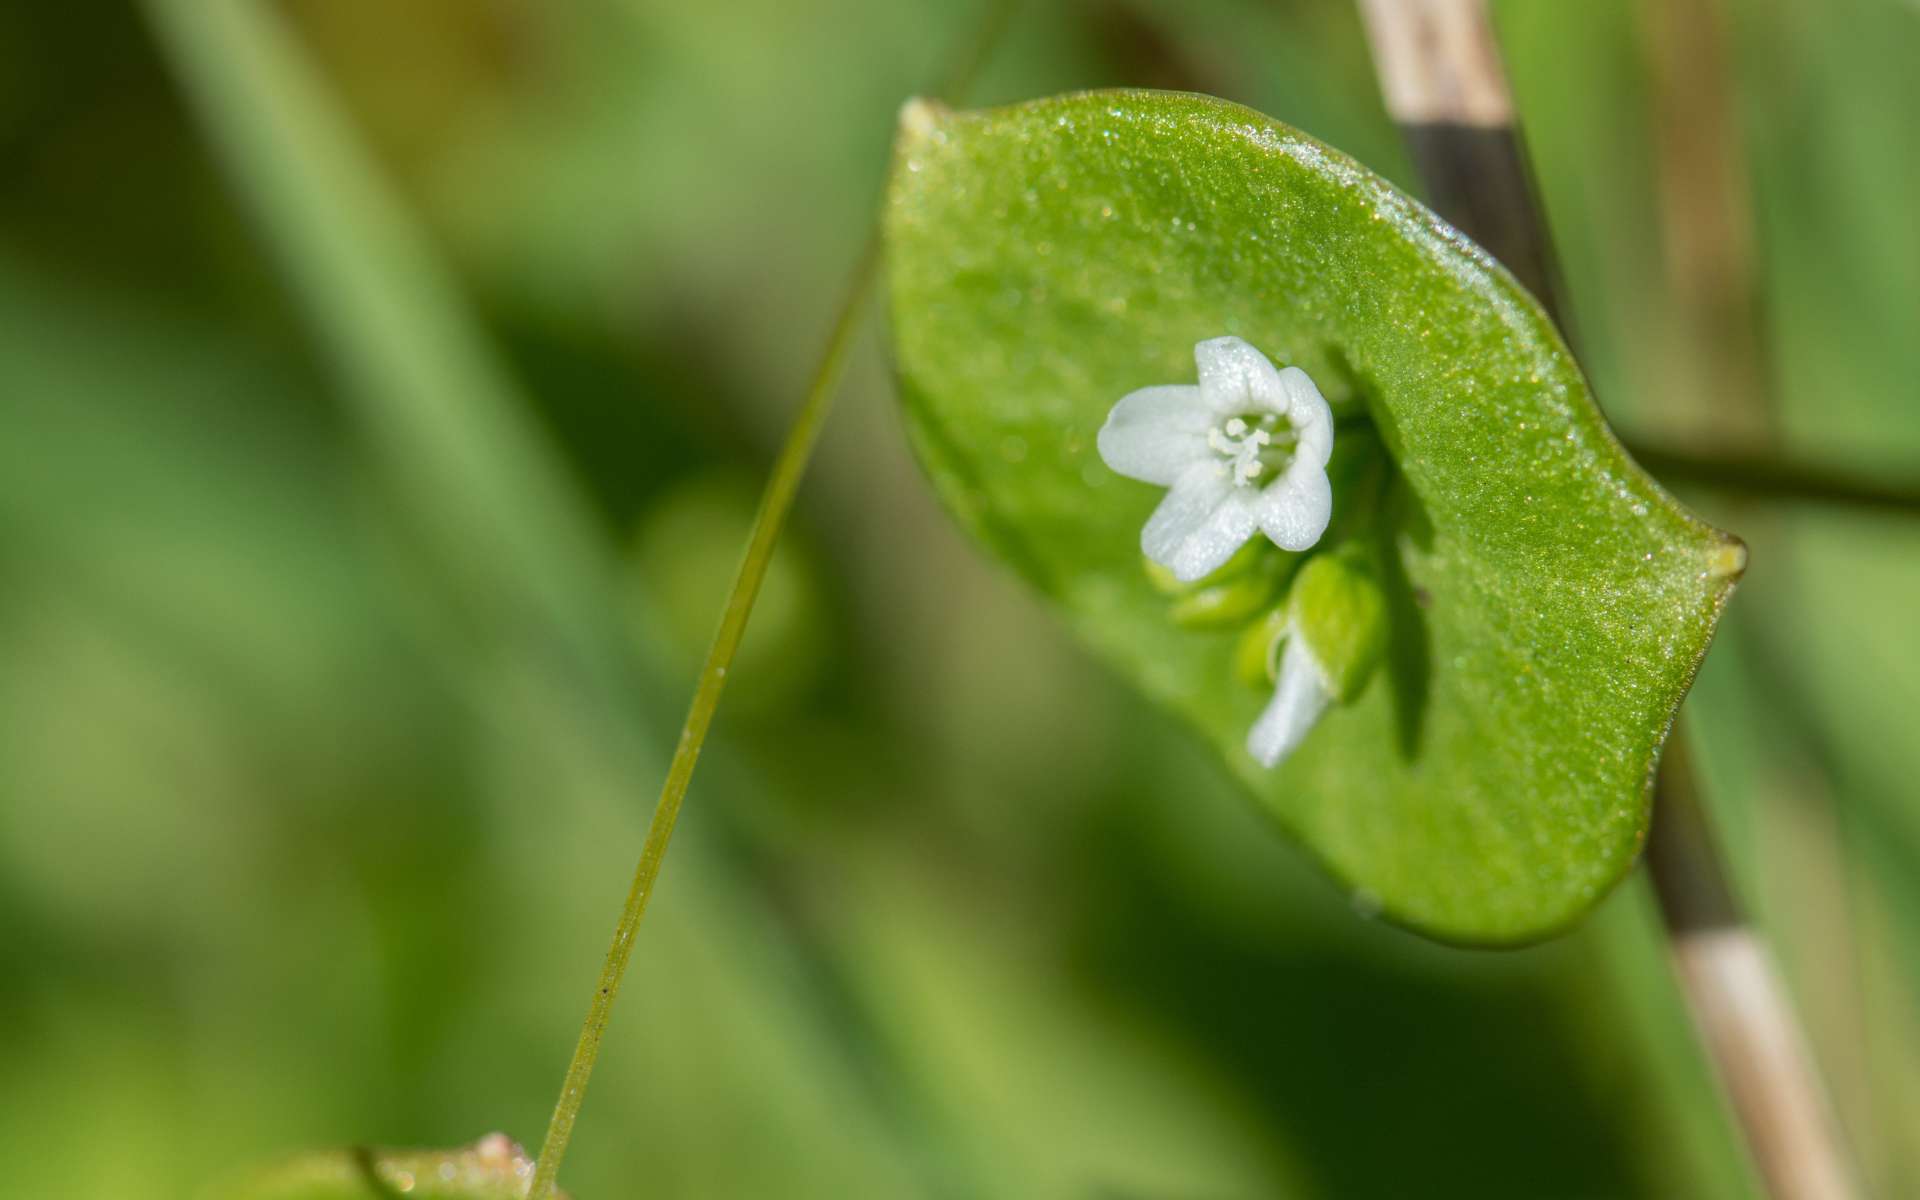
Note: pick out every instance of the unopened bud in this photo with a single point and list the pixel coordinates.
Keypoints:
(1339, 609)
(1240, 588)
(1225, 604)
(1256, 656)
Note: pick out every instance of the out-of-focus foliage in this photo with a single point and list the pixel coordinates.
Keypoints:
(686, 550)
(295, 852)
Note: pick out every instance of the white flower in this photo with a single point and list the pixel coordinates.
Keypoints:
(1245, 450)
(1300, 695)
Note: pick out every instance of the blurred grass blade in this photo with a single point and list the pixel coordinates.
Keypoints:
(961, 1001)
(458, 445)
(776, 500)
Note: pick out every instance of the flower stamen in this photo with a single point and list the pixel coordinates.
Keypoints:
(1242, 448)
(1243, 452)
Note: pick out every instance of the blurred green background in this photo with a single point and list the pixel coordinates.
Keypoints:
(331, 468)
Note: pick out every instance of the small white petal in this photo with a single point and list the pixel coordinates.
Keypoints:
(1198, 442)
(1156, 433)
(1294, 509)
(1299, 697)
(1236, 378)
(1203, 520)
(1309, 415)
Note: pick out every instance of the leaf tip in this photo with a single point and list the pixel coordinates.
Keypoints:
(920, 117)
(1728, 560)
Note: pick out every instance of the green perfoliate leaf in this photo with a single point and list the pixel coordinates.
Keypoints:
(1547, 603)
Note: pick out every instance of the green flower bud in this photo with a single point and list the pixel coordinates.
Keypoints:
(1339, 609)
(1162, 578)
(1244, 559)
(1218, 605)
(1256, 552)
(1240, 588)
(1256, 656)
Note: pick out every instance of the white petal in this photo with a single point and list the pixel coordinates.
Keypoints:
(1156, 433)
(1203, 520)
(1236, 378)
(1299, 697)
(1309, 415)
(1294, 509)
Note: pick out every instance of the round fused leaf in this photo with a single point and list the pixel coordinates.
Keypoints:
(1547, 602)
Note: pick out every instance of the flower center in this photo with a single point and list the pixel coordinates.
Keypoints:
(1248, 448)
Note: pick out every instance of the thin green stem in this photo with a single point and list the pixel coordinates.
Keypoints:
(774, 505)
(490, 494)
(775, 502)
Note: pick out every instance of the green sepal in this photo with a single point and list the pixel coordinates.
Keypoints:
(1255, 656)
(1223, 605)
(1163, 578)
(1255, 553)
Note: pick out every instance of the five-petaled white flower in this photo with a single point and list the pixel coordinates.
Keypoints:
(1244, 450)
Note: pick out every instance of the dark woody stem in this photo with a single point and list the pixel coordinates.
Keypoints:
(1440, 69)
